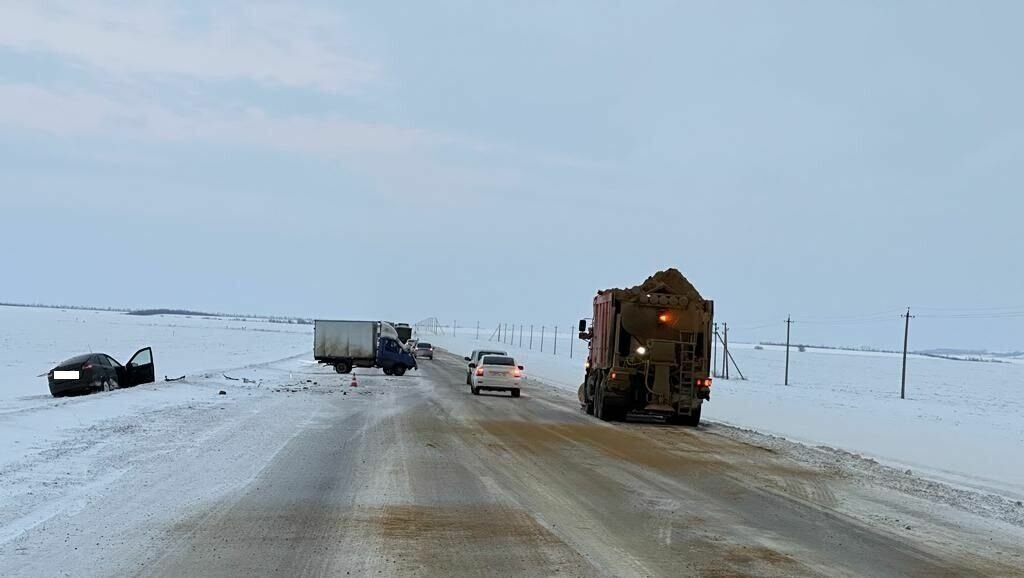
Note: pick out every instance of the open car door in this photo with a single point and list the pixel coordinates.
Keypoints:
(140, 368)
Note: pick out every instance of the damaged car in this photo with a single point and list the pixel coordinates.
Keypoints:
(91, 372)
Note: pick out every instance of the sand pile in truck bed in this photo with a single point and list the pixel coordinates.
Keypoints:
(669, 281)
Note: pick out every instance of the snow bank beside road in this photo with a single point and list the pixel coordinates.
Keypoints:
(962, 422)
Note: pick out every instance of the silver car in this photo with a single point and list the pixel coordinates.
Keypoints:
(424, 350)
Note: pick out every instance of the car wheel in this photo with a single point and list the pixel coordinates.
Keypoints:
(387, 371)
(342, 367)
(107, 386)
(515, 392)
(398, 370)
(474, 390)
(469, 380)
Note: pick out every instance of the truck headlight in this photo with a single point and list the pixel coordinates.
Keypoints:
(641, 350)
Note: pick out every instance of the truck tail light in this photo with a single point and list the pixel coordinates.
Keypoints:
(704, 382)
(479, 371)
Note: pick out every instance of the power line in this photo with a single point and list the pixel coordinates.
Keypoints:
(1004, 315)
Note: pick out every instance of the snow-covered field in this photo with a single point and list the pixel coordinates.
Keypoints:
(962, 422)
(34, 340)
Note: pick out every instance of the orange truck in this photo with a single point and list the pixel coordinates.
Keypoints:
(650, 351)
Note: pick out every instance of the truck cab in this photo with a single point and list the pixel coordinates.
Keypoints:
(393, 357)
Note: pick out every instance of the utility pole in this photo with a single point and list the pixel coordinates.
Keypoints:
(906, 337)
(531, 337)
(455, 325)
(542, 339)
(714, 348)
(520, 335)
(555, 349)
(572, 338)
(725, 348)
(789, 322)
(478, 331)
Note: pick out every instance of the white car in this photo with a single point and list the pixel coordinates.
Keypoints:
(496, 373)
(474, 360)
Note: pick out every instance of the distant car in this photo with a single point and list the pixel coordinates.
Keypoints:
(91, 372)
(496, 373)
(424, 349)
(474, 359)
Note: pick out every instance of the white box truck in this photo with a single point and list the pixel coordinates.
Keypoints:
(348, 344)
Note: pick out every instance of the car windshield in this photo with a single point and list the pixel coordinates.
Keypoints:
(498, 360)
(423, 346)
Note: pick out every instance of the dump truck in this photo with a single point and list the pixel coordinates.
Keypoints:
(649, 351)
(348, 344)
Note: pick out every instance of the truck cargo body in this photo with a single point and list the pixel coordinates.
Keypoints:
(345, 340)
(348, 344)
(650, 351)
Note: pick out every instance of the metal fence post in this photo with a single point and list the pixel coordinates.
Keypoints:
(531, 337)
(555, 348)
(542, 339)
(571, 339)
(520, 335)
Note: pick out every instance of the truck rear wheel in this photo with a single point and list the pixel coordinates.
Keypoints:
(398, 370)
(604, 409)
(342, 367)
(692, 420)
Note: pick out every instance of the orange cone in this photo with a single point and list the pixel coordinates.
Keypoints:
(354, 383)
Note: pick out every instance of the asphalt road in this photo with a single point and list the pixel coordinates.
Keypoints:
(432, 481)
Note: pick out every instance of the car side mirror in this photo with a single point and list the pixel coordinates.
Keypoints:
(472, 365)
(521, 368)
(466, 358)
(583, 325)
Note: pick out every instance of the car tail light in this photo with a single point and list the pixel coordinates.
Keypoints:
(479, 371)
(704, 382)
(87, 366)
(614, 375)
(517, 373)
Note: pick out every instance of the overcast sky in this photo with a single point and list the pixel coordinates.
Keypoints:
(837, 161)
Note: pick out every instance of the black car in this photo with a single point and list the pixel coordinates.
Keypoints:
(99, 372)
(424, 349)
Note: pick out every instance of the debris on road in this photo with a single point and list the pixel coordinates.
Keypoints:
(222, 392)
(174, 378)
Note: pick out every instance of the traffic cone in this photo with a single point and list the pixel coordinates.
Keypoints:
(354, 383)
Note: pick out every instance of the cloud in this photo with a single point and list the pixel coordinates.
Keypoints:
(276, 44)
(398, 159)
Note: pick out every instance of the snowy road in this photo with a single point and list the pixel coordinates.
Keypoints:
(299, 474)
